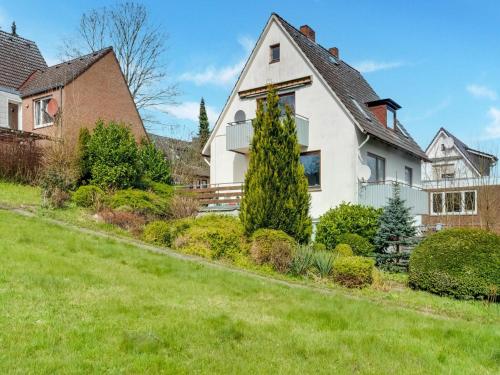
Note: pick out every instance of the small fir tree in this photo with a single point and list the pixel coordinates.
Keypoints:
(396, 224)
(276, 189)
(204, 126)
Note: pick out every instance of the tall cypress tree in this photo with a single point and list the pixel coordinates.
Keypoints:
(276, 189)
(204, 127)
(395, 223)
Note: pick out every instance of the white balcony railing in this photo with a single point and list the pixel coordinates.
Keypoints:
(377, 195)
(239, 134)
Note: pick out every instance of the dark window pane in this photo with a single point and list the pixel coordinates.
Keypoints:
(377, 168)
(470, 200)
(275, 53)
(287, 100)
(437, 203)
(312, 163)
(453, 202)
(408, 176)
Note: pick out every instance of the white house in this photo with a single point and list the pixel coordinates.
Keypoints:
(19, 58)
(353, 144)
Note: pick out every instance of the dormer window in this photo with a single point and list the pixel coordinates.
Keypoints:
(385, 111)
(274, 53)
(391, 117)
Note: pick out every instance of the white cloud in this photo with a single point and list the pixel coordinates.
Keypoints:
(369, 66)
(493, 129)
(224, 75)
(189, 111)
(430, 112)
(482, 92)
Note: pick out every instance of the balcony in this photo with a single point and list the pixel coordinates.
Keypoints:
(377, 195)
(239, 134)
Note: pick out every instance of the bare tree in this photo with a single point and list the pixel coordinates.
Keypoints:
(138, 44)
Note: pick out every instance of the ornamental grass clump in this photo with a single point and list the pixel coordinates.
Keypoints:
(323, 263)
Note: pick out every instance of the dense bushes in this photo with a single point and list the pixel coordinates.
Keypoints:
(20, 161)
(212, 236)
(359, 245)
(347, 218)
(88, 196)
(273, 247)
(158, 233)
(463, 263)
(343, 250)
(142, 202)
(353, 271)
(153, 163)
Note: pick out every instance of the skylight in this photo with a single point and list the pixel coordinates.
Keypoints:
(358, 106)
(403, 130)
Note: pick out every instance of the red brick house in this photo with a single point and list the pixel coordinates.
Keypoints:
(83, 90)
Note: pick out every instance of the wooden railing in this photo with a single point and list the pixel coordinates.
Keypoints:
(220, 194)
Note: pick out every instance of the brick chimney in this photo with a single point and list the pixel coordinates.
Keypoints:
(334, 51)
(308, 32)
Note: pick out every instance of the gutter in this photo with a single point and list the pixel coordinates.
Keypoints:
(364, 142)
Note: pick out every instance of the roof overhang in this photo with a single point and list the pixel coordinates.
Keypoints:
(388, 102)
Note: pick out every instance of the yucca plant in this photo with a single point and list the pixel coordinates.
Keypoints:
(323, 263)
(302, 260)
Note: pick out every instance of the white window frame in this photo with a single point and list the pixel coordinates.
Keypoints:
(462, 203)
(43, 125)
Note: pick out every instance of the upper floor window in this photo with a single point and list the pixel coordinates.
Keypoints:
(41, 117)
(285, 100)
(408, 176)
(312, 167)
(377, 167)
(391, 117)
(274, 53)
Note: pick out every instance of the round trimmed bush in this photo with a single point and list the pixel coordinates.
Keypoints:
(347, 218)
(359, 245)
(273, 247)
(460, 262)
(353, 272)
(142, 202)
(343, 250)
(211, 236)
(316, 246)
(158, 232)
(87, 196)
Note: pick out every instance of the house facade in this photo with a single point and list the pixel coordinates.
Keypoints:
(19, 57)
(463, 186)
(353, 146)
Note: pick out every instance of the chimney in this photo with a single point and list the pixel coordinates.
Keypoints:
(308, 32)
(14, 28)
(334, 51)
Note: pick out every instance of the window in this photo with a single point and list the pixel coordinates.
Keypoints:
(240, 116)
(437, 203)
(391, 117)
(408, 176)
(41, 117)
(285, 100)
(454, 203)
(312, 167)
(377, 168)
(442, 147)
(358, 106)
(275, 53)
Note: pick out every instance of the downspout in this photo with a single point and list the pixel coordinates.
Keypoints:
(364, 142)
(361, 159)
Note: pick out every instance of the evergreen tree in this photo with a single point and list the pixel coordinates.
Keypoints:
(276, 189)
(396, 224)
(204, 127)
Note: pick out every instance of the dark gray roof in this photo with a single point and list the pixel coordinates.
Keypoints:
(19, 58)
(61, 74)
(480, 160)
(349, 84)
(184, 152)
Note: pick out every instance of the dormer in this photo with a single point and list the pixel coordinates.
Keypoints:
(385, 111)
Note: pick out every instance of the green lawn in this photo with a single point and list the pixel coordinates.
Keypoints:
(74, 303)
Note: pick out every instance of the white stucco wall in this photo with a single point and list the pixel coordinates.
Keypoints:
(5, 98)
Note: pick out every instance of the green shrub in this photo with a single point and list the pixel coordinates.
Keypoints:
(158, 232)
(353, 271)
(143, 202)
(273, 247)
(302, 260)
(359, 245)
(347, 218)
(319, 247)
(323, 263)
(113, 156)
(88, 196)
(463, 263)
(212, 236)
(153, 163)
(343, 250)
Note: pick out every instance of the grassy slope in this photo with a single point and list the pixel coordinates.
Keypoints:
(74, 303)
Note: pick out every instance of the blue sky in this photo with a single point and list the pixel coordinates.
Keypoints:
(438, 59)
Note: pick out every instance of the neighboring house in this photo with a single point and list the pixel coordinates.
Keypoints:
(84, 90)
(463, 187)
(353, 146)
(19, 58)
(187, 164)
